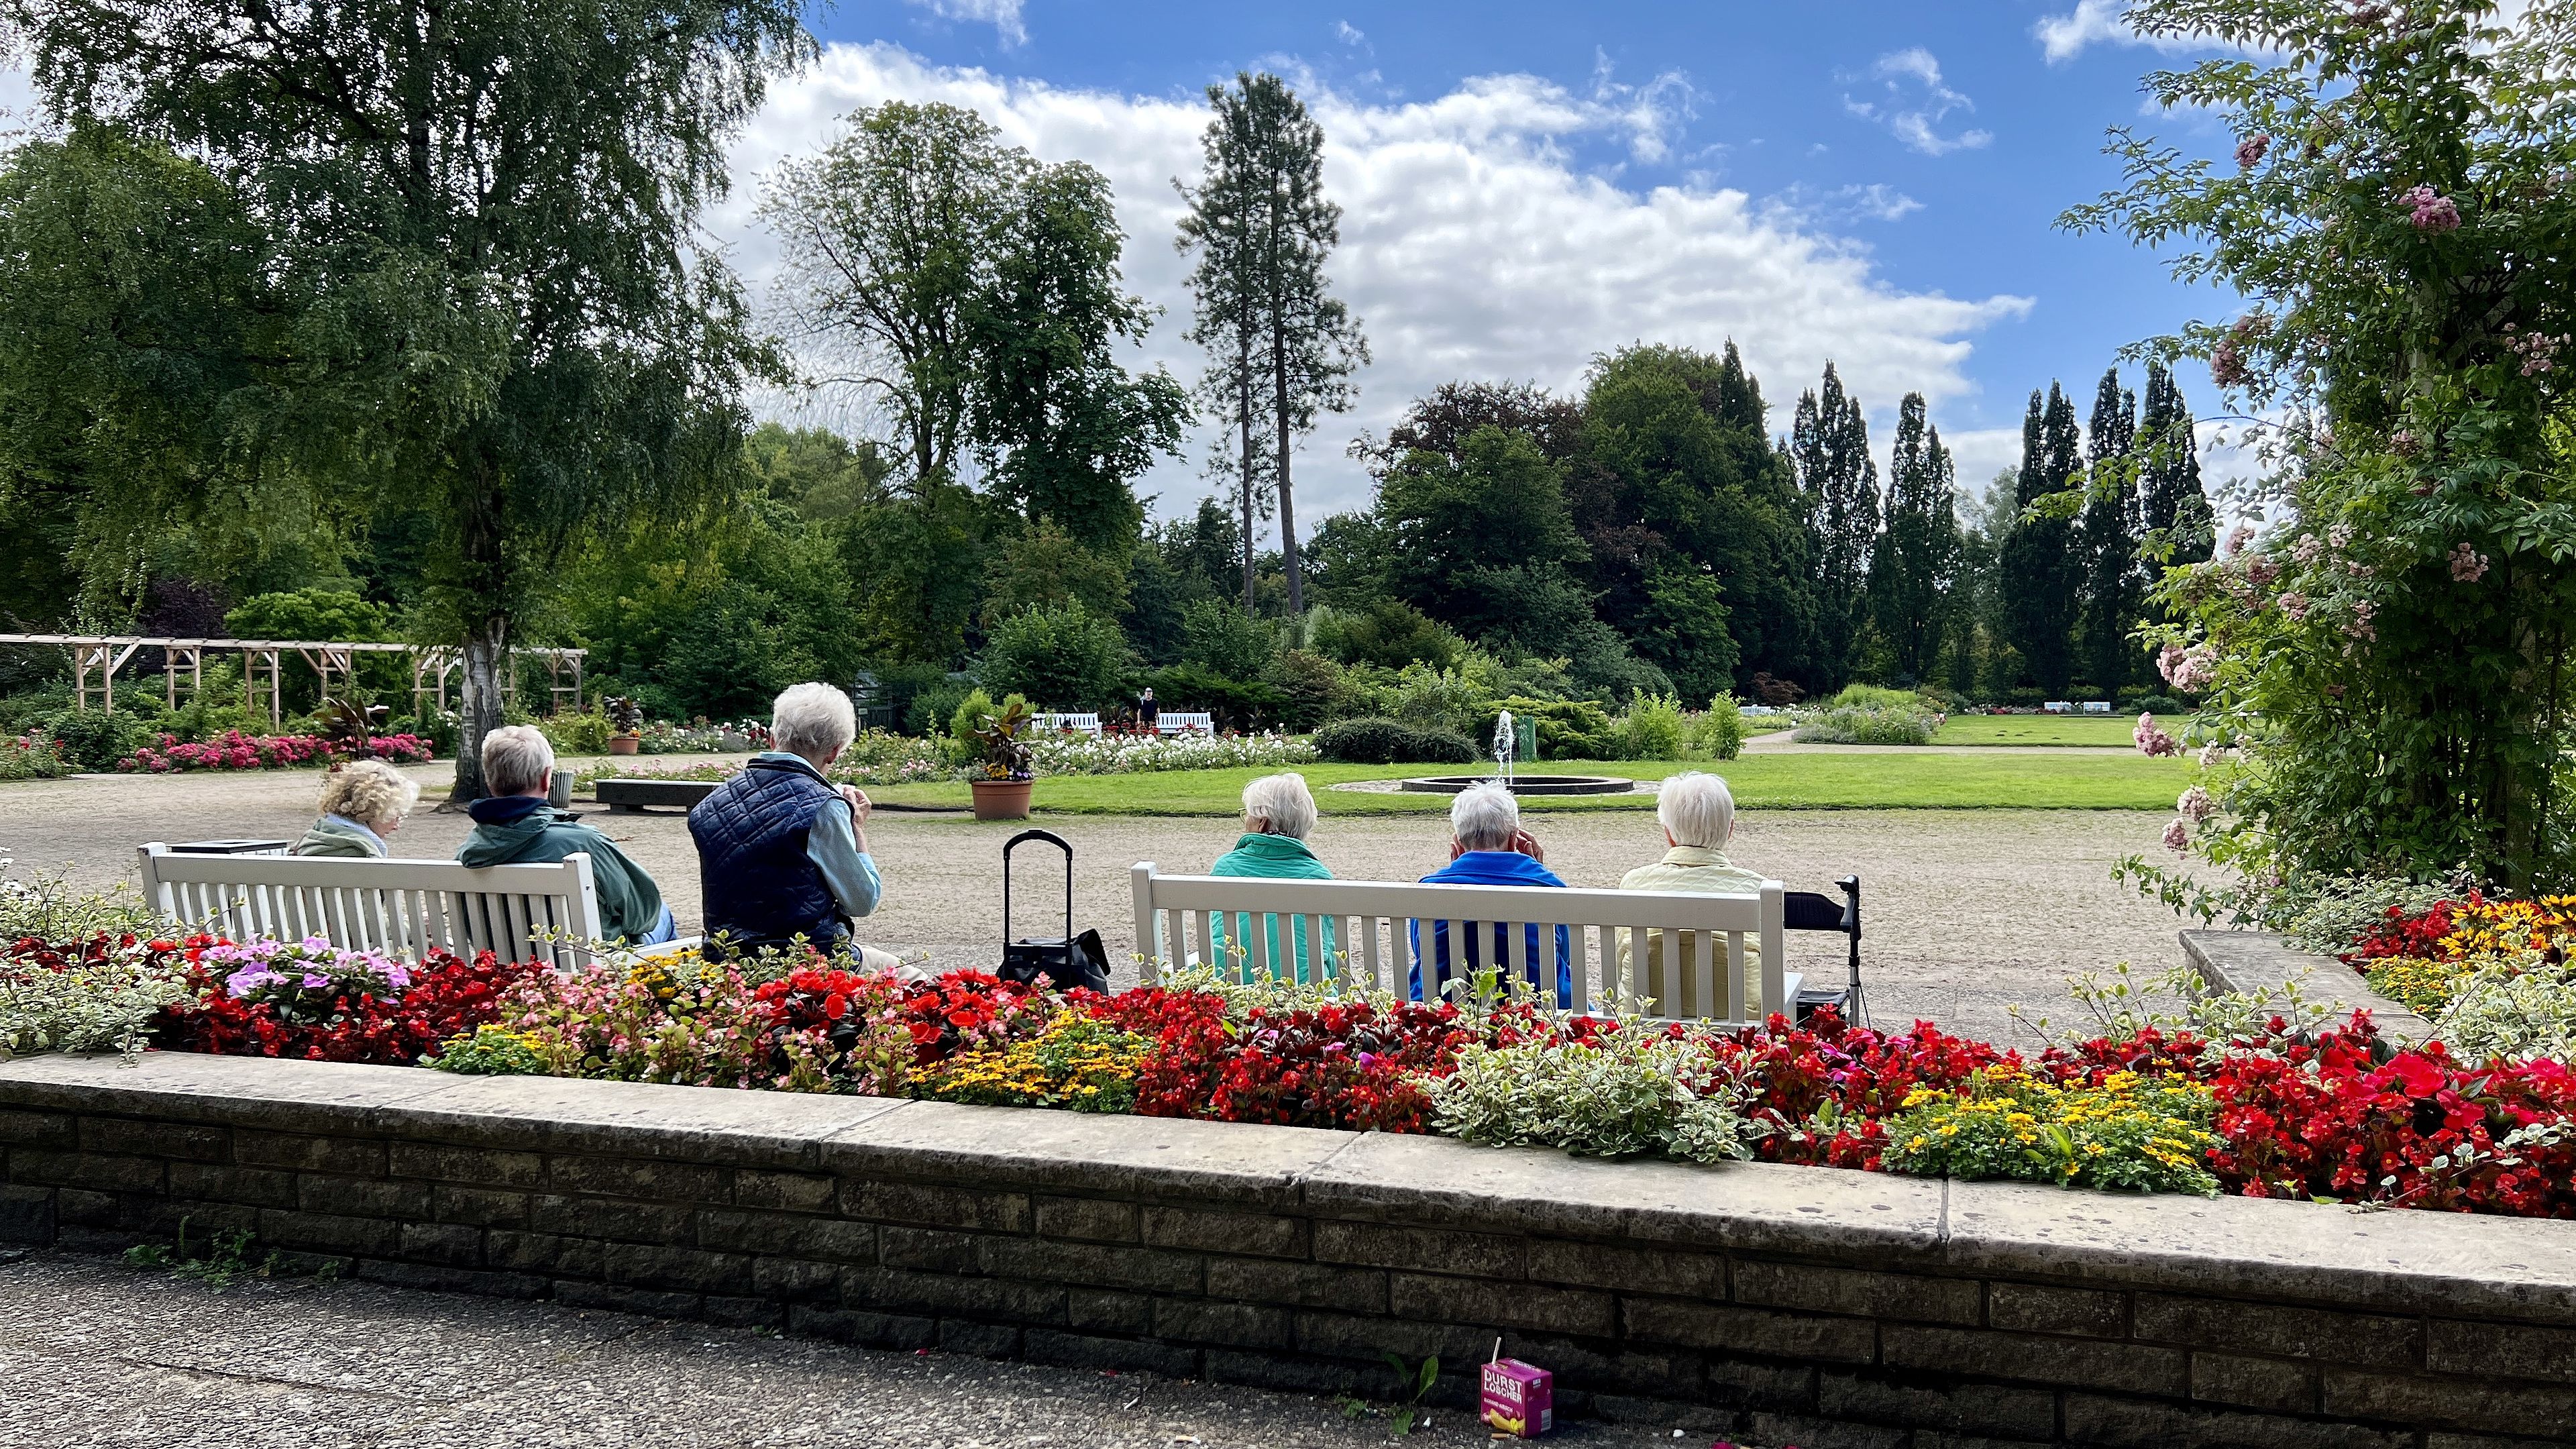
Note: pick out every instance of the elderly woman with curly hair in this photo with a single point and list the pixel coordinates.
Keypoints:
(363, 801)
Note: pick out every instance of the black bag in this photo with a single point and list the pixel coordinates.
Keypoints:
(1066, 961)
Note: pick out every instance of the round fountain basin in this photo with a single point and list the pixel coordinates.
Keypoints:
(1522, 785)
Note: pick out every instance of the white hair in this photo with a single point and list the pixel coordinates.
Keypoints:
(370, 792)
(1697, 809)
(812, 720)
(1282, 804)
(516, 760)
(1485, 817)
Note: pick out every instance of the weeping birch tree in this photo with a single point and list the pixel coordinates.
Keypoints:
(476, 230)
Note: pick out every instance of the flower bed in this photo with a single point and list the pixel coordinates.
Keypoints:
(669, 737)
(879, 758)
(2493, 976)
(234, 750)
(1128, 754)
(2339, 1115)
(32, 757)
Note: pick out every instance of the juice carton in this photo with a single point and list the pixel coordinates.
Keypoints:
(1519, 1400)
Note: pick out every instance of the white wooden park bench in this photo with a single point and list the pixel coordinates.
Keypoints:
(1179, 919)
(1173, 722)
(1086, 723)
(403, 908)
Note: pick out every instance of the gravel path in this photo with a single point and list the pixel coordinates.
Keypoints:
(1966, 910)
(92, 1353)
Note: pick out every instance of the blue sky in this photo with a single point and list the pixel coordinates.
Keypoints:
(1528, 184)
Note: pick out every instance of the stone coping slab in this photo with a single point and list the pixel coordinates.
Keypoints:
(2252, 961)
(2408, 1261)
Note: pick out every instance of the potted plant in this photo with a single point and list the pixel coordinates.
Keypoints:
(625, 722)
(1005, 776)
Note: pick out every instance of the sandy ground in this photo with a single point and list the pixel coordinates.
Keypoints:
(94, 1353)
(1966, 911)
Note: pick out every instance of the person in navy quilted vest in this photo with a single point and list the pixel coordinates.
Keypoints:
(782, 851)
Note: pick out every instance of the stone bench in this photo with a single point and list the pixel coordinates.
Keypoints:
(631, 795)
(2253, 961)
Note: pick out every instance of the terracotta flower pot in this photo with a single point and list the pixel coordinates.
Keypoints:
(625, 744)
(1001, 799)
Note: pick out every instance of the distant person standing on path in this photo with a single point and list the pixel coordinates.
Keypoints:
(782, 851)
(1148, 714)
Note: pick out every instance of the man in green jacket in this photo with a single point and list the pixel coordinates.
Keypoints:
(1278, 812)
(515, 826)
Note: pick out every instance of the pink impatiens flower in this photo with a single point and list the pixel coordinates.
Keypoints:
(2177, 837)
(2195, 805)
(2249, 152)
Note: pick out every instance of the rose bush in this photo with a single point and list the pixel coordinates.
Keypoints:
(233, 750)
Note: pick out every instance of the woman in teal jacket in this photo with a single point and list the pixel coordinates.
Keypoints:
(1278, 812)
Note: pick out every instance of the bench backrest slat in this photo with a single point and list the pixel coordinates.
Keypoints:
(1609, 934)
(403, 908)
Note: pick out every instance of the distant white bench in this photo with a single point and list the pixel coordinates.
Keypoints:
(1178, 918)
(403, 908)
(1172, 722)
(1087, 723)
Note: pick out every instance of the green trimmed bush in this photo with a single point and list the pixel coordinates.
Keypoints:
(1392, 742)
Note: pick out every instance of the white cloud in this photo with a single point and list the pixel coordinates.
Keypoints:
(1002, 15)
(1473, 244)
(1349, 34)
(2064, 37)
(1915, 102)
(1805, 206)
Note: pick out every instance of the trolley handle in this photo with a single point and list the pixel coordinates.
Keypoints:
(1014, 843)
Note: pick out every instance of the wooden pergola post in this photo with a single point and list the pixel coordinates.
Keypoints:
(107, 658)
(194, 655)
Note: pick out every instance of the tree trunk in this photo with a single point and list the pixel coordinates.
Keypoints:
(1243, 413)
(487, 653)
(1287, 502)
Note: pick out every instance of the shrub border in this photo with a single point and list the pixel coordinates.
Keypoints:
(1787, 1303)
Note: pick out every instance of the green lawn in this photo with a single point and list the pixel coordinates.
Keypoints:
(2036, 729)
(1893, 781)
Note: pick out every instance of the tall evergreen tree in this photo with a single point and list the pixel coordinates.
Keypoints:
(1916, 558)
(2040, 573)
(1676, 472)
(2173, 509)
(1263, 232)
(2107, 537)
(1830, 442)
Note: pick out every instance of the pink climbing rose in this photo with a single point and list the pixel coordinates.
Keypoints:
(2430, 210)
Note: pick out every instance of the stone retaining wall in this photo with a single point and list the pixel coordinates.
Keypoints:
(1788, 1305)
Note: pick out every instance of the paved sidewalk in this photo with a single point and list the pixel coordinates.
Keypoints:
(94, 1353)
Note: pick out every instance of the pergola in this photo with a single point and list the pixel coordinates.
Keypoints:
(96, 658)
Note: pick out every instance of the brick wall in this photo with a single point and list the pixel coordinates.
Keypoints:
(1784, 1304)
